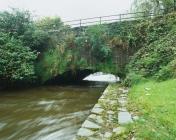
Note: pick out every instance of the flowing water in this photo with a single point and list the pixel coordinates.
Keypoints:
(45, 113)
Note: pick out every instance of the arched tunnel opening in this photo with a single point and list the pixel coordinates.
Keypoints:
(82, 77)
(70, 77)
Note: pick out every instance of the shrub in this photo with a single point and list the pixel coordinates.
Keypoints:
(149, 60)
(132, 79)
(16, 61)
(98, 40)
(167, 72)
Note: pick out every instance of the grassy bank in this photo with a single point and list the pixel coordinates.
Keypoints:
(155, 105)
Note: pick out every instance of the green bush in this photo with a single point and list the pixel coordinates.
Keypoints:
(94, 42)
(167, 72)
(132, 79)
(16, 61)
(98, 40)
(149, 60)
(36, 39)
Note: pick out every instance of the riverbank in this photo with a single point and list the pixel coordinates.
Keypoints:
(147, 111)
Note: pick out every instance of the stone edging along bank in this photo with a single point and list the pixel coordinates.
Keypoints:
(107, 116)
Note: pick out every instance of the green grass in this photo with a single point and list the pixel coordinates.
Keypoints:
(155, 104)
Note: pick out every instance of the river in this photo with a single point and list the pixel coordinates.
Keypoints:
(46, 113)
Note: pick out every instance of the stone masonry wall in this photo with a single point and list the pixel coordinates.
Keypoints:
(107, 117)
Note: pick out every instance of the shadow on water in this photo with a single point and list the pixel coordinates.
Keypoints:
(46, 112)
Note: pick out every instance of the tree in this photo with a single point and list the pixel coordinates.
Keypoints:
(20, 42)
(55, 29)
(15, 22)
(153, 6)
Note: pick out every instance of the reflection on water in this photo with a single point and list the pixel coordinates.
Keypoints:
(45, 113)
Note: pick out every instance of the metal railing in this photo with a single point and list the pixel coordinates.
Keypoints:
(108, 19)
(113, 18)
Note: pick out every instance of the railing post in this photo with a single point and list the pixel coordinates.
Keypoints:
(80, 22)
(120, 17)
(100, 20)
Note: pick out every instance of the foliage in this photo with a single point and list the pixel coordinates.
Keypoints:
(50, 23)
(15, 22)
(17, 62)
(62, 54)
(55, 29)
(36, 39)
(133, 79)
(52, 64)
(107, 67)
(158, 50)
(58, 60)
(97, 40)
(153, 6)
(94, 42)
(20, 40)
(122, 34)
(167, 72)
